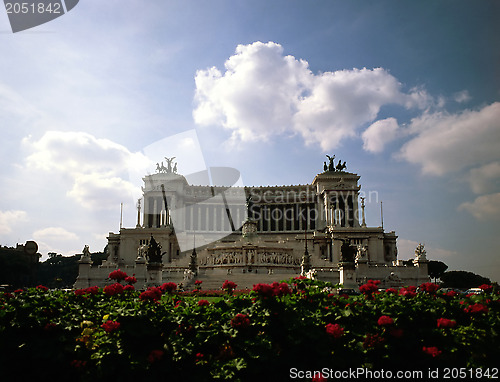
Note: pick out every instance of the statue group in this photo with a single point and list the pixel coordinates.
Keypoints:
(153, 251)
(331, 165)
(169, 168)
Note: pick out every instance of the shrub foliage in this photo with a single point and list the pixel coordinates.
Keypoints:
(118, 333)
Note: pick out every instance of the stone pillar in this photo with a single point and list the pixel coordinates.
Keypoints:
(326, 210)
(138, 214)
(268, 218)
(141, 273)
(214, 222)
(154, 274)
(191, 217)
(198, 217)
(363, 221)
(346, 211)
(355, 210)
(155, 213)
(207, 217)
(145, 212)
(83, 279)
(348, 275)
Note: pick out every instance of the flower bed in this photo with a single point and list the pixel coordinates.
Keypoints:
(117, 333)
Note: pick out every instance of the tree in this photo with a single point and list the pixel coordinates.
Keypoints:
(436, 269)
(463, 279)
(59, 271)
(18, 268)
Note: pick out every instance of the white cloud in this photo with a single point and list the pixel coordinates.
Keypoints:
(263, 93)
(8, 219)
(485, 179)
(406, 251)
(75, 152)
(56, 239)
(451, 142)
(379, 134)
(462, 96)
(55, 234)
(99, 191)
(94, 166)
(484, 208)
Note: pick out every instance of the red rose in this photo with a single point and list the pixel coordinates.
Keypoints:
(110, 326)
(264, 290)
(203, 303)
(240, 321)
(385, 321)
(229, 285)
(169, 287)
(318, 377)
(91, 290)
(487, 288)
(78, 364)
(151, 294)
(432, 350)
(199, 357)
(118, 275)
(334, 330)
(476, 309)
(49, 326)
(429, 287)
(80, 292)
(410, 292)
(370, 287)
(155, 355)
(372, 340)
(130, 279)
(114, 289)
(446, 323)
(129, 288)
(43, 288)
(280, 289)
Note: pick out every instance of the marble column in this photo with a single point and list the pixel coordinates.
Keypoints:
(155, 212)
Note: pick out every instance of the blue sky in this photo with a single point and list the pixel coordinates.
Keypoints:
(406, 92)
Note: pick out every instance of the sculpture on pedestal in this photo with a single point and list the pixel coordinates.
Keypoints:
(153, 252)
(420, 254)
(169, 169)
(86, 255)
(331, 166)
(347, 252)
(169, 164)
(361, 254)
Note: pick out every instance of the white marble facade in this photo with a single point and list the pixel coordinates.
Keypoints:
(271, 245)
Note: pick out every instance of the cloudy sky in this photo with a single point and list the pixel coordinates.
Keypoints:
(406, 92)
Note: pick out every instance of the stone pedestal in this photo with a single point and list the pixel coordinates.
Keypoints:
(83, 279)
(84, 264)
(154, 271)
(141, 273)
(348, 275)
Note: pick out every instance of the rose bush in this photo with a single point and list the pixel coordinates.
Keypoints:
(113, 333)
